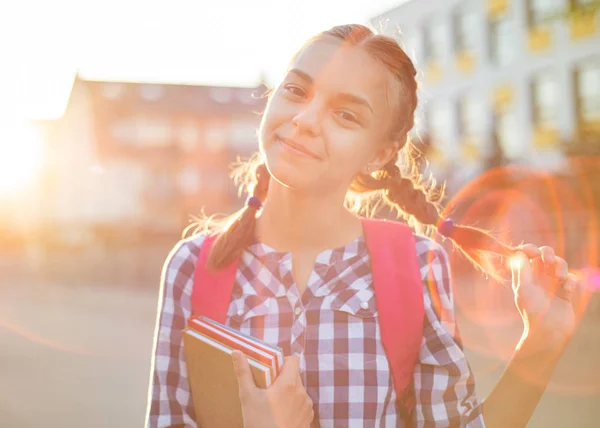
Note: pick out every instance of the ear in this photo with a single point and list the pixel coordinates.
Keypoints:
(382, 156)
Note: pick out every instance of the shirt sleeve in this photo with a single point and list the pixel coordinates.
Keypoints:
(169, 398)
(443, 381)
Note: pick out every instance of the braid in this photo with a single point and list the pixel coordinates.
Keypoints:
(420, 205)
(239, 233)
(402, 193)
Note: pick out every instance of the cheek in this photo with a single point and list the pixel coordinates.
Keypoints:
(349, 149)
(272, 117)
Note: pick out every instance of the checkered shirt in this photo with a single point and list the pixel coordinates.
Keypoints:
(333, 327)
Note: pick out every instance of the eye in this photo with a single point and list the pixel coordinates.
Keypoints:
(294, 90)
(347, 116)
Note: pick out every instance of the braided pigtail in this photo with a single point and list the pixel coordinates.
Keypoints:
(239, 233)
(420, 205)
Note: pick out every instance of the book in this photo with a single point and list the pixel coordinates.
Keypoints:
(208, 346)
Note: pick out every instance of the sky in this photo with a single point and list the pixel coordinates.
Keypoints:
(224, 42)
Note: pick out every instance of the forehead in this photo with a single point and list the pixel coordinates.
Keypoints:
(337, 67)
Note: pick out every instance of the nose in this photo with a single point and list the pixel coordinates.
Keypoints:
(307, 119)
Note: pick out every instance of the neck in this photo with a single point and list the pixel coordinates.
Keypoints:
(296, 221)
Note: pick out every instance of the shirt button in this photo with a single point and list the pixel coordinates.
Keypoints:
(240, 312)
(298, 310)
(364, 305)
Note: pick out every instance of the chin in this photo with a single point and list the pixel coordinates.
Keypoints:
(290, 175)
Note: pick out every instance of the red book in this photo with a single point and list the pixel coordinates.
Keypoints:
(256, 349)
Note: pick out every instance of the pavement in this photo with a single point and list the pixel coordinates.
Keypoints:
(79, 357)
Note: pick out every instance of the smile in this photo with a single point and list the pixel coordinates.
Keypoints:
(296, 148)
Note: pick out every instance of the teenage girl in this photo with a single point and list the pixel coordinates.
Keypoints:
(332, 138)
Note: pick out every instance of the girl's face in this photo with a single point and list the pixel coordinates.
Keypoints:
(329, 119)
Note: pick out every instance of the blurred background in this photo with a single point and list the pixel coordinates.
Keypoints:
(119, 121)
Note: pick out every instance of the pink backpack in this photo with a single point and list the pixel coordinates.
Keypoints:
(398, 296)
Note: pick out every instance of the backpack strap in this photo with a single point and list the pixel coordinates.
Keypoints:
(399, 299)
(212, 289)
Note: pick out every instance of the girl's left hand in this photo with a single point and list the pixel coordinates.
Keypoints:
(543, 288)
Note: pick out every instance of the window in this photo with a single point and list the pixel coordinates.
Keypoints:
(189, 180)
(507, 132)
(162, 185)
(439, 124)
(216, 135)
(465, 31)
(434, 41)
(587, 92)
(123, 131)
(540, 12)
(112, 91)
(544, 100)
(188, 136)
(502, 40)
(151, 92)
(243, 134)
(142, 131)
(153, 132)
(472, 116)
(221, 95)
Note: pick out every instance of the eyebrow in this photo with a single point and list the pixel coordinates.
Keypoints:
(344, 96)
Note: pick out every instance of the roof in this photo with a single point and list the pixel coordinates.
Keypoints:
(178, 98)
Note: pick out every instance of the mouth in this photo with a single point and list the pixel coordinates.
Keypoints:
(296, 148)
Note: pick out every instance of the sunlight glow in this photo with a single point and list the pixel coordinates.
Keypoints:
(20, 156)
(516, 263)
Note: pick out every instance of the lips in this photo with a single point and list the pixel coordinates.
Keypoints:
(297, 147)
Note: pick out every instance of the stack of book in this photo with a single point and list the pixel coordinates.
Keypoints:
(208, 346)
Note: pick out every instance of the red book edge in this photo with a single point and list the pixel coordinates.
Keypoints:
(249, 348)
(271, 349)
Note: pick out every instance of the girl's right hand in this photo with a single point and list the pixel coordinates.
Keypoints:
(285, 404)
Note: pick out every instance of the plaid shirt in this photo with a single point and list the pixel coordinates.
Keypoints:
(333, 328)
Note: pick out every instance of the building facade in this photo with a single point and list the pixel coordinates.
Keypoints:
(143, 158)
(521, 75)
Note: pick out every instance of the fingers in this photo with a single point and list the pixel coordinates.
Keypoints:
(561, 268)
(310, 413)
(543, 259)
(530, 260)
(530, 250)
(244, 375)
(290, 372)
(547, 254)
(565, 291)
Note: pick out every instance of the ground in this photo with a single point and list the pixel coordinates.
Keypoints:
(79, 357)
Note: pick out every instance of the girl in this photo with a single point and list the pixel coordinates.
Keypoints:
(334, 133)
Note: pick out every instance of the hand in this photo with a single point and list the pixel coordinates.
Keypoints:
(543, 287)
(285, 404)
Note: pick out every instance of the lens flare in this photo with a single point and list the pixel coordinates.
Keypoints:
(33, 337)
(519, 205)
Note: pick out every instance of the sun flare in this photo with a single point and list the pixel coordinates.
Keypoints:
(20, 156)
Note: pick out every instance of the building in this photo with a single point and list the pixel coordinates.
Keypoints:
(125, 168)
(521, 75)
(127, 159)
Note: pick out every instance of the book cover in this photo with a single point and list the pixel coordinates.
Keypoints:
(213, 382)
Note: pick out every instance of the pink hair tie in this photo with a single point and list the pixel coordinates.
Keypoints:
(254, 202)
(446, 228)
